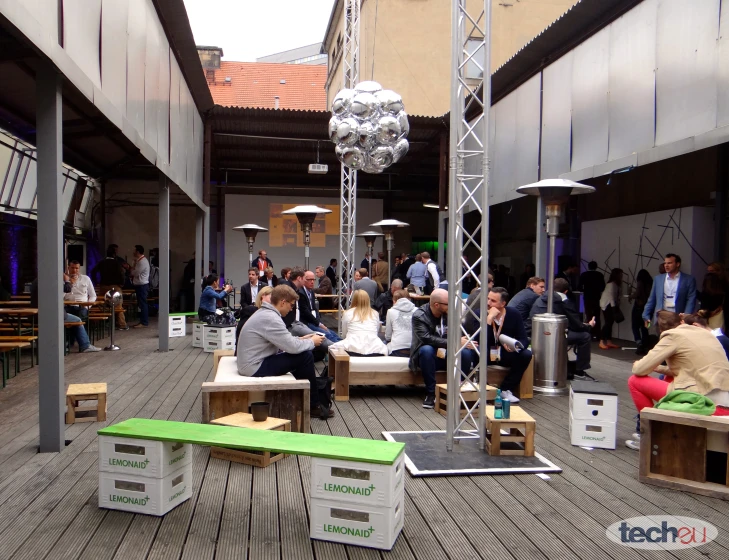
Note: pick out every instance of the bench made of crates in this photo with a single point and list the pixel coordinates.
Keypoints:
(668, 438)
(391, 370)
(231, 392)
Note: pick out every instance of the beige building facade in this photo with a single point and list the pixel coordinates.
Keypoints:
(406, 44)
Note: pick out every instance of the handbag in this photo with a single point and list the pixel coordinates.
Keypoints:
(618, 315)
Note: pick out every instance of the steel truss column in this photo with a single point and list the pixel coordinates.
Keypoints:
(470, 34)
(348, 201)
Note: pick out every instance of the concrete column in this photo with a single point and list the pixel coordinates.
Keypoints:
(199, 227)
(51, 398)
(441, 239)
(206, 241)
(540, 258)
(163, 324)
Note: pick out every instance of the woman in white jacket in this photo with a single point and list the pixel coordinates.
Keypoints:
(398, 326)
(609, 301)
(360, 328)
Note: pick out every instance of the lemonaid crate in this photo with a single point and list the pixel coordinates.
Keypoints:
(197, 334)
(593, 401)
(141, 494)
(357, 524)
(358, 483)
(212, 332)
(592, 433)
(142, 457)
(213, 345)
(177, 326)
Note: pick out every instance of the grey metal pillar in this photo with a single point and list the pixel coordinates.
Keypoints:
(206, 242)
(199, 227)
(163, 324)
(441, 237)
(51, 399)
(540, 261)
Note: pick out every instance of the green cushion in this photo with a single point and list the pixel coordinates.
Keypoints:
(291, 443)
(184, 314)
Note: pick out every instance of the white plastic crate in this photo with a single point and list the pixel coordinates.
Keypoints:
(212, 345)
(142, 457)
(357, 524)
(140, 494)
(592, 433)
(177, 326)
(594, 404)
(197, 334)
(218, 334)
(359, 483)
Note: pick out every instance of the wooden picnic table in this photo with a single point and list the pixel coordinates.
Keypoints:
(19, 315)
(15, 303)
(21, 296)
(6, 347)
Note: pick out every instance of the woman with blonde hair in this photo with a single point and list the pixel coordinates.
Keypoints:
(360, 328)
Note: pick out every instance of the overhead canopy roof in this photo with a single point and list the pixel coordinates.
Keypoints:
(255, 150)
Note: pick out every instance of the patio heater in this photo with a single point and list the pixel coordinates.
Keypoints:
(370, 237)
(114, 298)
(306, 215)
(549, 330)
(388, 227)
(250, 231)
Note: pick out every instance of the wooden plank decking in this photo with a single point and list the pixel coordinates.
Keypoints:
(48, 502)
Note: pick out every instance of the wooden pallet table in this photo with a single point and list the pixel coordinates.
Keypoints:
(520, 427)
(470, 394)
(260, 459)
(79, 392)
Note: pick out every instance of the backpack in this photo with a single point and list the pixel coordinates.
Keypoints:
(324, 391)
(153, 277)
(429, 287)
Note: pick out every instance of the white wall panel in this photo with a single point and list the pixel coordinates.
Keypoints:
(114, 20)
(151, 77)
(163, 114)
(198, 148)
(136, 48)
(175, 124)
(722, 66)
(632, 81)
(590, 101)
(504, 113)
(528, 125)
(686, 85)
(46, 14)
(557, 117)
(81, 31)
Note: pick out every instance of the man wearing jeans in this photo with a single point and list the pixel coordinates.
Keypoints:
(429, 344)
(140, 279)
(267, 349)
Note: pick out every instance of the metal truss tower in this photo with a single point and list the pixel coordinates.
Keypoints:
(469, 182)
(348, 202)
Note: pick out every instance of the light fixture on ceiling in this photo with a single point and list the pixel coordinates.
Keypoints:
(426, 205)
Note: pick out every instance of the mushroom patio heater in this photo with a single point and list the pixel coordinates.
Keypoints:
(250, 231)
(370, 237)
(388, 227)
(306, 216)
(549, 330)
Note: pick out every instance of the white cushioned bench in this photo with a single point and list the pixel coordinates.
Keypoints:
(390, 370)
(231, 392)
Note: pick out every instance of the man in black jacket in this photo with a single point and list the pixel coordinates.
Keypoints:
(308, 313)
(578, 333)
(592, 284)
(249, 291)
(524, 300)
(506, 321)
(429, 344)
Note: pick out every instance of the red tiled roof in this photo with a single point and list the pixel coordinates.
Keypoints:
(255, 84)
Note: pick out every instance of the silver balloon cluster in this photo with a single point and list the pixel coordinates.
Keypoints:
(369, 125)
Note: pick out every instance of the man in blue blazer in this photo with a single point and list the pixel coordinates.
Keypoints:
(673, 291)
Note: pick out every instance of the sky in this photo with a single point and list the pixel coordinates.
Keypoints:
(250, 29)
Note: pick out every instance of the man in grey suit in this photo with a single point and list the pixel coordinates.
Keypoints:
(673, 291)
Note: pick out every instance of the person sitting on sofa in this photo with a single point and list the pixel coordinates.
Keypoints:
(271, 350)
(696, 362)
(210, 297)
(399, 324)
(360, 328)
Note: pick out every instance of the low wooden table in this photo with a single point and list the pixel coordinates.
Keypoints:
(469, 394)
(260, 459)
(521, 428)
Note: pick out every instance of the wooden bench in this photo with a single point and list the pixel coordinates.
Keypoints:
(390, 370)
(5, 349)
(231, 392)
(669, 438)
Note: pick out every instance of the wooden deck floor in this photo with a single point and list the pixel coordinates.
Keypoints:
(48, 502)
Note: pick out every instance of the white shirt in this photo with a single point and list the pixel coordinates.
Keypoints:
(254, 292)
(670, 288)
(141, 271)
(81, 290)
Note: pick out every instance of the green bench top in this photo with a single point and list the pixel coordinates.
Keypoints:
(291, 443)
(183, 314)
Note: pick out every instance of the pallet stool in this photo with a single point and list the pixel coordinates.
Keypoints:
(86, 392)
(256, 458)
(521, 428)
(470, 394)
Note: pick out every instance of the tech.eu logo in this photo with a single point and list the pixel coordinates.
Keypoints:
(662, 532)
